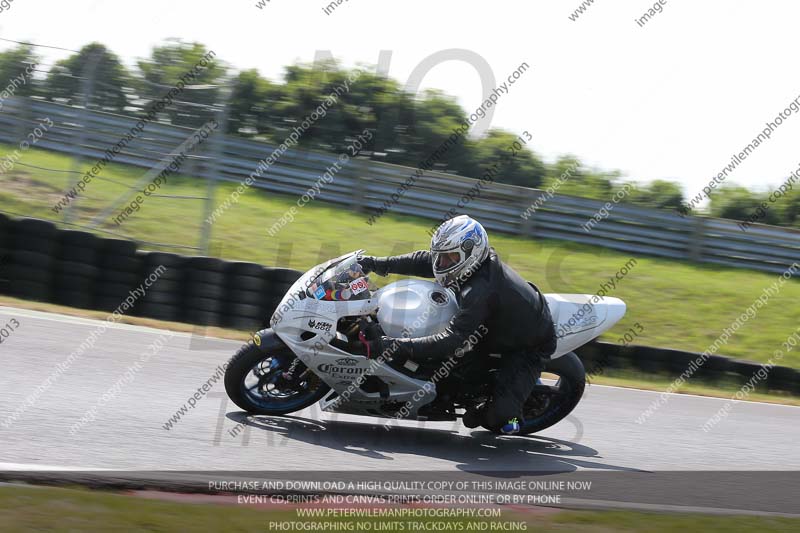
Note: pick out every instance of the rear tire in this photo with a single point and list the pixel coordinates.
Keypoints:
(251, 357)
(572, 381)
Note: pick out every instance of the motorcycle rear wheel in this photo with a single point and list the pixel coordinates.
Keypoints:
(254, 379)
(548, 405)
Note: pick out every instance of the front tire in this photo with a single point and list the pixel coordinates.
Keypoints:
(254, 379)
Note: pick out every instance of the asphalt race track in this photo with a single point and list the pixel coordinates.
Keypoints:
(601, 438)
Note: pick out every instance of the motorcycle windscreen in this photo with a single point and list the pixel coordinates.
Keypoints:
(345, 281)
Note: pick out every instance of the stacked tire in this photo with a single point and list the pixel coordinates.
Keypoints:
(5, 244)
(34, 246)
(247, 298)
(120, 272)
(163, 299)
(279, 280)
(76, 272)
(204, 291)
(79, 269)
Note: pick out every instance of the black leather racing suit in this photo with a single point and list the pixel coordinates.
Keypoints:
(493, 298)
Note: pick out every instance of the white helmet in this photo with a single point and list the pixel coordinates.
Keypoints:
(458, 248)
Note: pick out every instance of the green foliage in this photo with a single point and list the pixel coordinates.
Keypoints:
(660, 194)
(302, 95)
(387, 110)
(166, 65)
(584, 182)
(13, 64)
(65, 81)
(250, 105)
(523, 169)
(790, 210)
(738, 203)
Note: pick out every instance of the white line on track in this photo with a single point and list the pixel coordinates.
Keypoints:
(66, 319)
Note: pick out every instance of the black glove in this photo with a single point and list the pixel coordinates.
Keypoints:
(367, 263)
(383, 347)
(370, 263)
(374, 347)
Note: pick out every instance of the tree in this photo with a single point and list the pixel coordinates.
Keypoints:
(738, 203)
(250, 104)
(565, 168)
(14, 64)
(435, 118)
(306, 96)
(381, 105)
(579, 181)
(789, 209)
(167, 65)
(93, 67)
(660, 194)
(494, 153)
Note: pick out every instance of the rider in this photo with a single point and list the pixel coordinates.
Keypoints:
(492, 297)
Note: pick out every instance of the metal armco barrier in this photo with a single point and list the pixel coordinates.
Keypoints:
(78, 269)
(365, 185)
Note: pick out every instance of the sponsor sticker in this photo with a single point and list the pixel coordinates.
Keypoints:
(358, 286)
(319, 325)
(341, 372)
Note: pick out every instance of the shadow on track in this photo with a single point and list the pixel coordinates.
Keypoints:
(477, 452)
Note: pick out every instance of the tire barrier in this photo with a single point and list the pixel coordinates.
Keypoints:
(78, 269)
(5, 244)
(164, 300)
(599, 357)
(248, 296)
(32, 259)
(41, 262)
(121, 269)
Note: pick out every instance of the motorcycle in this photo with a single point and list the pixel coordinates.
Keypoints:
(315, 351)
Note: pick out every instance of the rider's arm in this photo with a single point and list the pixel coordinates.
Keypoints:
(470, 320)
(414, 264)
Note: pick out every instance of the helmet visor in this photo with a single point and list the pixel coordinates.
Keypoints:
(444, 261)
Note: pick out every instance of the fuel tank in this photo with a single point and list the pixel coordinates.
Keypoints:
(415, 308)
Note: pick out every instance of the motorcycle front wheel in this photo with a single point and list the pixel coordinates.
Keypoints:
(270, 380)
(549, 404)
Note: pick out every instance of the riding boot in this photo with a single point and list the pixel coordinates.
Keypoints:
(474, 417)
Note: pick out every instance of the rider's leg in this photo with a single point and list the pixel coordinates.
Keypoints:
(514, 382)
(472, 372)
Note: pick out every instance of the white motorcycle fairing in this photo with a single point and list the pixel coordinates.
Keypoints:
(296, 317)
(411, 308)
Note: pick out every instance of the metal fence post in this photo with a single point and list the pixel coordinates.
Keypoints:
(698, 236)
(213, 170)
(361, 181)
(87, 86)
(528, 225)
(24, 114)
